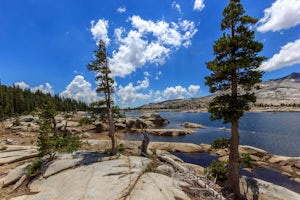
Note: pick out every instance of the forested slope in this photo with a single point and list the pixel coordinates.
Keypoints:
(15, 101)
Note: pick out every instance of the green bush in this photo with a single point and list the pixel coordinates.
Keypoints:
(247, 160)
(34, 168)
(218, 169)
(17, 122)
(68, 144)
(220, 143)
(121, 147)
(49, 145)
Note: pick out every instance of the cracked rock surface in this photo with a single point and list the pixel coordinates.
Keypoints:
(113, 179)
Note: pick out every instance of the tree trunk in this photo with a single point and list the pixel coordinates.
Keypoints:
(233, 166)
(233, 183)
(54, 127)
(112, 132)
(145, 141)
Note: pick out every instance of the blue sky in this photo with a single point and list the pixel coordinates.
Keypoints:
(158, 49)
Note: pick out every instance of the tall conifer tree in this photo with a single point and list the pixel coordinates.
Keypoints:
(234, 75)
(106, 86)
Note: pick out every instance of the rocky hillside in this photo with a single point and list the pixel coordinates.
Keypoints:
(282, 92)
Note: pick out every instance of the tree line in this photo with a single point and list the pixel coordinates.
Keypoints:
(15, 101)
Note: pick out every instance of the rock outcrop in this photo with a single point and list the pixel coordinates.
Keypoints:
(167, 132)
(259, 189)
(81, 176)
(192, 125)
(17, 153)
(112, 179)
(148, 120)
(175, 147)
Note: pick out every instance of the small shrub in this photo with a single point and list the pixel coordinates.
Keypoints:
(85, 121)
(220, 143)
(218, 170)
(3, 148)
(121, 147)
(107, 151)
(17, 122)
(246, 158)
(49, 145)
(34, 168)
(68, 144)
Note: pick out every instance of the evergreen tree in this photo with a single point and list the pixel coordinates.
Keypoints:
(50, 139)
(234, 74)
(106, 86)
(48, 132)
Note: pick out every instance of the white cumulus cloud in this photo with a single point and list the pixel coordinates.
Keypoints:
(158, 74)
(100, 30)
(47, 88)
(283, 14)
(148, 42)
(288, 55)
(177, 92)
(146, 74)
(22, 85)
(121, 10)
(80, 90)
(199, 5)
(176, 6)
(129, 94)
(193, 89)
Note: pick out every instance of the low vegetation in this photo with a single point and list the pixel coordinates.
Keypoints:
(51, 140)
(34, 168)
(247, 160)
(217, 170)
(220, 143)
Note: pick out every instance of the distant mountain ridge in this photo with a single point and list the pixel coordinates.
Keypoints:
(281, 92)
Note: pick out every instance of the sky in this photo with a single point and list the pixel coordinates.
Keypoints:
(157, 48)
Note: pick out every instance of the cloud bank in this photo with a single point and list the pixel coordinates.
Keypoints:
(283, 14)
(47, 88)
(148, 42)
(131, 94)
(287, 56)
(80, 90)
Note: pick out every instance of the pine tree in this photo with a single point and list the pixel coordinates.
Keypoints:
(48, 131)
(50, 139)
(106, 86)
(234, 74)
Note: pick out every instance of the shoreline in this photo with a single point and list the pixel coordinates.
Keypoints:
(72, 170)
(204, 110)
(286, 165)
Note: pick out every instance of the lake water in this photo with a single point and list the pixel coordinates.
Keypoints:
(278, 133)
